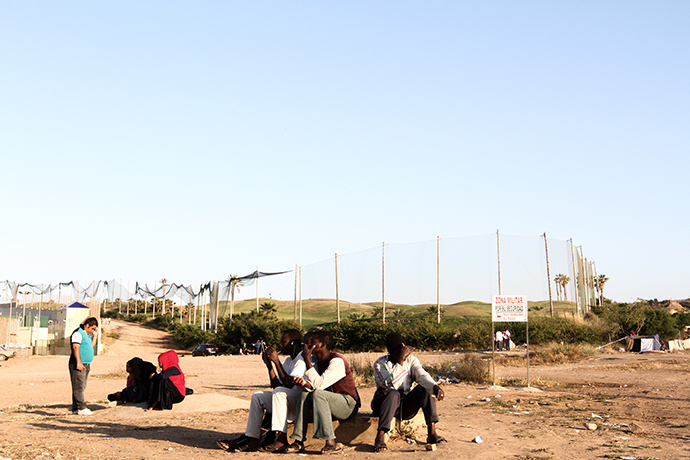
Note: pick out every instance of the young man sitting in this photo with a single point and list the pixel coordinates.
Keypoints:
(395, 374)
(280, 402)
(331, 393)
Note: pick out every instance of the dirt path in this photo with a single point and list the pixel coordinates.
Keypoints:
(638, 404)
(134, 340)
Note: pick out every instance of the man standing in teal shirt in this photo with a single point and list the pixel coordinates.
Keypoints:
(82, 342)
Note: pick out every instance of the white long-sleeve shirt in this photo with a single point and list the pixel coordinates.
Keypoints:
(334, 372)
(390, 375)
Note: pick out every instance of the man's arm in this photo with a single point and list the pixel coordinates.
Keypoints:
(422, 377)
(273, 378)
(77, 355)
(334, 372)
(285, 379)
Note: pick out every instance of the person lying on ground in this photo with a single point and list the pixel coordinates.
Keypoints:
(138, 383)
(402, 388)
(331, 393)
(278, 404)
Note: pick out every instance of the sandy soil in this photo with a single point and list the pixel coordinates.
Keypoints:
(638, 404)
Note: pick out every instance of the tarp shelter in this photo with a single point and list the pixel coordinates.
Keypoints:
(642, 343)
(674, 345)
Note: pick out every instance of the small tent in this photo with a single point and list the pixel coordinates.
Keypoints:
(642, 343)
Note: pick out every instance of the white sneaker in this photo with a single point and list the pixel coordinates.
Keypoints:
(86, 411)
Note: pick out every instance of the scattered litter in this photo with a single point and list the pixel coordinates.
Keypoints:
(497, 396)
(169, 448)
(469, 397)
(616, 425)
(478, 440)
(591, 426)
(486, 399)
(520, 413)
(577, 431)
(596, 416)
(627, 458)
(621, 437)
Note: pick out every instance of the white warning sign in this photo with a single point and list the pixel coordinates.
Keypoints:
(509, 308)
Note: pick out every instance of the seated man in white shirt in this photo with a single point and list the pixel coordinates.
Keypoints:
(280, 402)
(395, 375)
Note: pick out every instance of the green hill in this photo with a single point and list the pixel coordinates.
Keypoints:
(323, 311)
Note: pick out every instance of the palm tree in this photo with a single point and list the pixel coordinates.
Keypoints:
(269, 309)
(400, 315)
(164, 280)
(432, 311)
(599, 283)
(559, 284)
(565, 279)
(354, 316)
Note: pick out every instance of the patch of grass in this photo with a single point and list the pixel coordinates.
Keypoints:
(551, 353)
(362, 370)
(470, 368)
(113, 334)
(534, 382)
(120, 374)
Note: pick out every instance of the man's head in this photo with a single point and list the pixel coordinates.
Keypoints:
(290, 341)
(90, 324)
(394, 345)
(307, 338)
(323, 339)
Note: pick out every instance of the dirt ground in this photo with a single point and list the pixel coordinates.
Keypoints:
(614, 406)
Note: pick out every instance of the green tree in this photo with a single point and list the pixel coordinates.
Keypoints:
(599, 282)
(163, 281)
(269, 309)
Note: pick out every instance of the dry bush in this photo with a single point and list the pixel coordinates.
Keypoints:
(551, 353)
(362, 371)
(537, 381)
(470, 368)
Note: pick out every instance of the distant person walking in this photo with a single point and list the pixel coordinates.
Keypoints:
(83, 341)
(499, 340)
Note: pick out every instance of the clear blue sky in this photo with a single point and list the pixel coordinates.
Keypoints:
(191, 140)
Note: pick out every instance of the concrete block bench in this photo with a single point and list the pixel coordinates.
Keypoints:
(361, 430)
